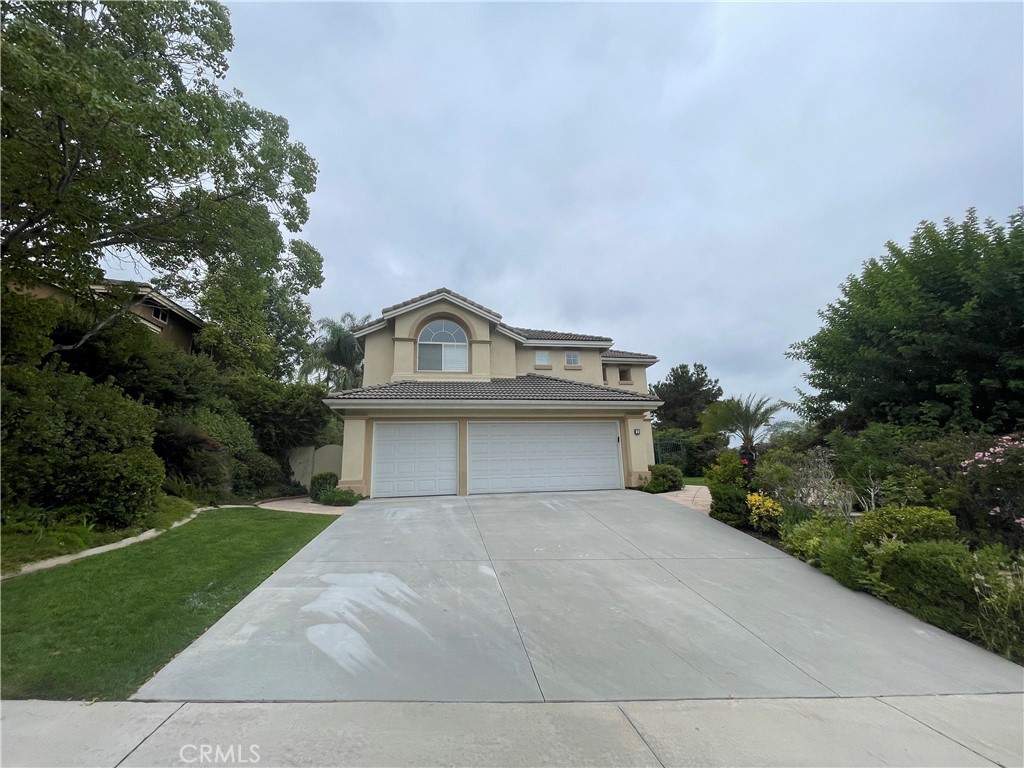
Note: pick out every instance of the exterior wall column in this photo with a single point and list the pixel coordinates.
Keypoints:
(352, 459)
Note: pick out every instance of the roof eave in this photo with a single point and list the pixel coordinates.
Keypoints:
(368, 329)
(441, 404)
(645, 362)
(604, 344)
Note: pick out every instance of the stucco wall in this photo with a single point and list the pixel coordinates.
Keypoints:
(378, 357)
(638, 376)
(589, 370)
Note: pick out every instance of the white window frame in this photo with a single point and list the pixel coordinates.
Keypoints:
(572, 357)
(542, 357)
(448, 348)
(161, 315)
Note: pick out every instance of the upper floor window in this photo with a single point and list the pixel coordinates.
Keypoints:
(161, 315)
(542, 357)
(443, 346)
(572, 358)
(626, 375)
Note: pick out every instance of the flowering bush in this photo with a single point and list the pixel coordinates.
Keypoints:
(765, 512)
(988, 494)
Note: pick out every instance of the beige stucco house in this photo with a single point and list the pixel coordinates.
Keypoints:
(455, 401)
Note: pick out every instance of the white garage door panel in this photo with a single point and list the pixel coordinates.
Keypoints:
(415, 459)
(508, 457)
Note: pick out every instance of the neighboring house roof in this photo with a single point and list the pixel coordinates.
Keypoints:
(520, 389)
(621, 356)
(150, 294)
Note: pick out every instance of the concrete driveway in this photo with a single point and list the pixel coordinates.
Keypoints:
(597, 596)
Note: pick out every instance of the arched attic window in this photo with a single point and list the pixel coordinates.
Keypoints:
(442, 346)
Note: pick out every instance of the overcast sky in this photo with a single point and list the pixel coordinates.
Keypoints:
(694, 180)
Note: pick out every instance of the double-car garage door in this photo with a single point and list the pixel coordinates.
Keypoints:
(421, 458)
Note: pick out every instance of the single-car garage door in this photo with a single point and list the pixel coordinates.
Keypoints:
(415, 459)
(509, 457)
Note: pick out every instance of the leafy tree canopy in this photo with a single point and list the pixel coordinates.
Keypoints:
(686, 395)
(118, 141)
(928, 334)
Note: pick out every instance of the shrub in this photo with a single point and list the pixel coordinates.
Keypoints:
(932, 579)
(75, 447)
(282, 416)
(121, 489)
(663, 478)
(805, 540)
(1000, 590)
(339, 497)
(838, 556)
(691, 450)
(765, 512)
(729, 504)
(198, 467)
(907, 524)
(253, 472)
(987, 493)
(321, 483)
(727, 470)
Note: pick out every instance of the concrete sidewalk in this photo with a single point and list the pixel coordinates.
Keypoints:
(969, 730)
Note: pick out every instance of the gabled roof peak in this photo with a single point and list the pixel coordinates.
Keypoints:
(435, 295)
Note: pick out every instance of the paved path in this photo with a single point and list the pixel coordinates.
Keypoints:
(574, 597)
(912, 731)
(696, 497)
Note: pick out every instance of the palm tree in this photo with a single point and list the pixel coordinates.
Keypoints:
(747, 418)
(335, 357)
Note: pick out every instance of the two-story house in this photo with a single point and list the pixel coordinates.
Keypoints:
(455, 401)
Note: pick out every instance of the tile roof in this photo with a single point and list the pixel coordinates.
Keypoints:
(621, 354)
(438, 292)
(531, 386)
(533, 334)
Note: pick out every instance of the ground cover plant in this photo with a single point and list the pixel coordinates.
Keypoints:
(100, 627)
(29, 541)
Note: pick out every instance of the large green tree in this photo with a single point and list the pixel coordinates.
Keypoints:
(120, 143)
(931, 333)
(686, 394)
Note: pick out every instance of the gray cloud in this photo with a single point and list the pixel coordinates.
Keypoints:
(694, 180)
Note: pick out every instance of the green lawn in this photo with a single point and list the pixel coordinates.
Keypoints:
(694, 481)
(100, 627)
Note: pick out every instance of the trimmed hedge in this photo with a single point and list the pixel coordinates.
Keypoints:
(931, 579)
(906, 524)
